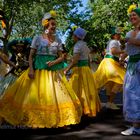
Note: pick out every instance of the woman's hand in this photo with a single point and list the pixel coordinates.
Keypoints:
(31, 74)
(50, 63)
(121, 62)
(130, 41)
(66, 70)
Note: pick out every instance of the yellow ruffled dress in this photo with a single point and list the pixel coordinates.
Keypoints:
(109, 70)
(83, 83)
(45, 101)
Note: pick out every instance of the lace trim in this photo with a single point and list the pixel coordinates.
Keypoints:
(40, 116)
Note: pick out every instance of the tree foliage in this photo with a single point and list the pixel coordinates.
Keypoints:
(100, 17)
(23, 17)
(107, 14)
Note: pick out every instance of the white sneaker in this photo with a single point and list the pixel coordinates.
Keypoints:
(111, 106)
(130, 131)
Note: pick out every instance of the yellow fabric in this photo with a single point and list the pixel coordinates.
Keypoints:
(109, 70)
(83, 84)
(3, 24)
(112, 87)
(46, 101)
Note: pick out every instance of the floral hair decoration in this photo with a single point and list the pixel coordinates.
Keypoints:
(47, 16)
(134, 8)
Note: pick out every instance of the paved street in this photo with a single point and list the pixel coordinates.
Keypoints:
(106, 126)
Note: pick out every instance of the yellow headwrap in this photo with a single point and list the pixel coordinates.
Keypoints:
(47, 16)
(131, 8)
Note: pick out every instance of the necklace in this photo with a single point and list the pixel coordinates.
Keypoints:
(50, 38)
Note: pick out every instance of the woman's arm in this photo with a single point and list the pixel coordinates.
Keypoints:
(58, 60)
(133, 41)
(73, 62)
(116, 51)
(4, 58)
(122, 58)
(31, 70)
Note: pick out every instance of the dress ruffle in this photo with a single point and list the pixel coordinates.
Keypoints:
(83, 84)
(109, 70)
(46, 101)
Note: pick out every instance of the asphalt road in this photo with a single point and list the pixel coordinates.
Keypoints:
(106, 126)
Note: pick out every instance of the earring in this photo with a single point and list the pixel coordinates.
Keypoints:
(46, 31)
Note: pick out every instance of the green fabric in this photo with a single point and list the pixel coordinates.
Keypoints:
(113, 57)
(82, 63)
(137, 11)
(41, 60)
(134, 58)
(114, 30)
(132, 63)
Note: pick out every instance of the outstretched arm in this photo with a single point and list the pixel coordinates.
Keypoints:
(5, 59)
(31, 70)
(73, 62)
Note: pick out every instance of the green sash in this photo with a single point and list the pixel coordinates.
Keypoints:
(133, 59)
(82, 63)
(41, 60)
(113, 57)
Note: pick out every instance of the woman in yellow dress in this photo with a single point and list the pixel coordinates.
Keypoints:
(110, 73)
(41, 97)
(82, 80)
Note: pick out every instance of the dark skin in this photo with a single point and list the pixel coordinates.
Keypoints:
(51, 27)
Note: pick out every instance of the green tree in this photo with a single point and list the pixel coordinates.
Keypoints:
(98, 19)
(23, 17)
(107, 14)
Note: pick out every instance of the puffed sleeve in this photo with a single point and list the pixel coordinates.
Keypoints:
(34, 43)
(128, 35)
(77, 48)
(59, 44)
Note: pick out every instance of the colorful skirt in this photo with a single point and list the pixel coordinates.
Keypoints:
(131, 90)
(46, 101)
(83, 84)
(109, 70)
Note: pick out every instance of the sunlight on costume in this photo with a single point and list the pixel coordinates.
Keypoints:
(109, 70)
(46, 101)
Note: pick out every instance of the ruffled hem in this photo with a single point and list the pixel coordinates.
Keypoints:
(44, 102)
(83, 84)
(37, 116)
(109, 71)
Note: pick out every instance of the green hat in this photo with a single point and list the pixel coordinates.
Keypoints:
(115, 30)
(137, 11)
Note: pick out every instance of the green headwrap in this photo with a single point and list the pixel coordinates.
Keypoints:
(137, 11)
(114, 30)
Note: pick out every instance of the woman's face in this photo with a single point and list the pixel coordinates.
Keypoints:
(52, 26)
(134, 18)
(74, 38)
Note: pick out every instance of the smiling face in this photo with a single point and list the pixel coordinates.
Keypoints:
(52, 26)
(134, 19)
